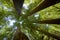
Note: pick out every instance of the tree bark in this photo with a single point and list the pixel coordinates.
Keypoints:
(20, 35)
(18, 4)
(43, 5)
(51, 21)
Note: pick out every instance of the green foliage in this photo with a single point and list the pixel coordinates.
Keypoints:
(27, 26)
(50, 12)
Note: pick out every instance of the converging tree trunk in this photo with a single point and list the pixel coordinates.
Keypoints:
(20, 35)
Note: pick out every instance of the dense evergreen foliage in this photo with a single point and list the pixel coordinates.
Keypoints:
(26, 23)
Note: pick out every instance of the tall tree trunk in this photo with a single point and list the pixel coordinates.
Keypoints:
(43, 5)
(20, 35)
(51, 21)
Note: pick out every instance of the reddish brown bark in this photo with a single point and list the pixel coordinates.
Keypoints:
(19, 35)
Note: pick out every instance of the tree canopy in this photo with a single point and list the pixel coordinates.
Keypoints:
(39, 20)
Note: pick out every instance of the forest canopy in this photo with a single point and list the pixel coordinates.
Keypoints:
(29, 20)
